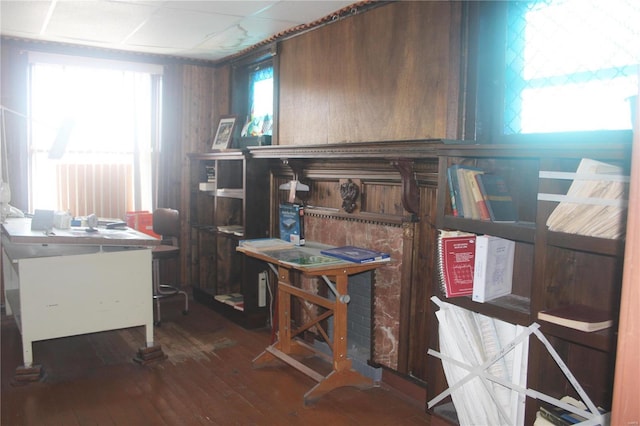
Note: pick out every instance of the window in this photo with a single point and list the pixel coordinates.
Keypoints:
(568, 65)
(253, 93)
(92, 138)
(260, 100)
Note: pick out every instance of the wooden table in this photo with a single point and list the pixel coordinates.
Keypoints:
(336, 276)
(70, 282)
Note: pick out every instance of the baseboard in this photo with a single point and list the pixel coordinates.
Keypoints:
(410, 390)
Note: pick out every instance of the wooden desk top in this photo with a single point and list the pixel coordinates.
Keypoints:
(282, 257)
(18, 230)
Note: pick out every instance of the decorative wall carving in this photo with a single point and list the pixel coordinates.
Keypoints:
(349, 191)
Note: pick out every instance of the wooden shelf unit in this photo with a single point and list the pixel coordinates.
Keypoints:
(550, 268)
(238, 196)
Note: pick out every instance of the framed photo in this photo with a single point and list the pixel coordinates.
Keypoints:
(224, 134)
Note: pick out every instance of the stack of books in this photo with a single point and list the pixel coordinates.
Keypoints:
(480, 266)
(577, 316)
(479, 195)
(235, 300)
(556, 416)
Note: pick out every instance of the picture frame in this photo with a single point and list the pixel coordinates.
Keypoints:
(224, 134)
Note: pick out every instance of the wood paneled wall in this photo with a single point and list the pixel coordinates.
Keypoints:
(388, 74)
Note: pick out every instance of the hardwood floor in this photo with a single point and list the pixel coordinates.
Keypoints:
(207, 379)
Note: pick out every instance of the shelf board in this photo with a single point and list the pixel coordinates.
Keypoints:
(511, 308)
(603, 340)
(518, 231)
(230, 193)
(594, 245)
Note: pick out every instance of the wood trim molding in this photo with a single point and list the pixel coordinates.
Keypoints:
(391, 150)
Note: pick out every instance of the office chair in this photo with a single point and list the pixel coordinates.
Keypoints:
(166, 223)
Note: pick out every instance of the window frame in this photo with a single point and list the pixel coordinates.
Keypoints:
(485, 76)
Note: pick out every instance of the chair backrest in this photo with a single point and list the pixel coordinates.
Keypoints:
(166, 222)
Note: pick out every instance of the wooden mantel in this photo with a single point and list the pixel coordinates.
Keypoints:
(400, 155)
(391, 150)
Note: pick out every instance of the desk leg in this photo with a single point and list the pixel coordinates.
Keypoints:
(152, 352)
(28, 372)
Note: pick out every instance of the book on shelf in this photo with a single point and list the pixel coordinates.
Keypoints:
(231, 229)
(595, 204)
(207, 186)
(356, 254)
(476, 194)
(493, 268)
(456, 258)
(454, 192)
(498, 199)
(578, 316)
(235, 300)
(261, 244)
(211, 173)
(465, 202)
(291, 223)
(559, 416)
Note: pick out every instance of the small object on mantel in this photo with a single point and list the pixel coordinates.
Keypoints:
(149, 355)
(293, 186)
(247, 141)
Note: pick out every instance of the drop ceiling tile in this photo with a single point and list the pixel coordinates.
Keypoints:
(22, 18)
(303, 11)
(233, 8)
(96, 21)
(180, 28)
(196, 29)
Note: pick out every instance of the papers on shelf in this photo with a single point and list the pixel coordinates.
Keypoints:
(595, 204)
(472, 349)
(232, 229)
(230, 192)
(480, 341)
(236, 300)
(263, 244)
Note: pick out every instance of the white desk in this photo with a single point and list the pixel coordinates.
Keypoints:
(75, 282)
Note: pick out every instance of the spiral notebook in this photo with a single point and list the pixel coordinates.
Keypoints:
(456, 261)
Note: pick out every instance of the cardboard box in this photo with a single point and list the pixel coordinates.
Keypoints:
(141, 221)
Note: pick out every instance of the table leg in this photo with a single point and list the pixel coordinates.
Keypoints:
(284, 343)
(342, 374)
(334, 380)
(285, 346)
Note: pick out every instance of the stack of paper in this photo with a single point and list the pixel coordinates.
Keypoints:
(595, 203)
